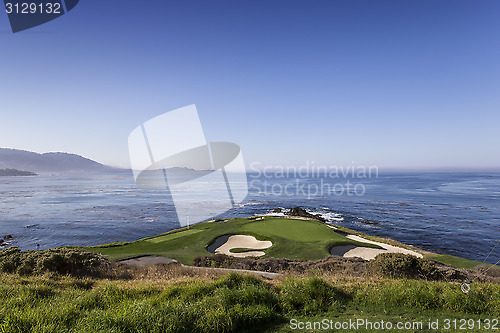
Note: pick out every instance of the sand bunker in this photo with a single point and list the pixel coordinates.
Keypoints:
(225, 243)
(366, 252)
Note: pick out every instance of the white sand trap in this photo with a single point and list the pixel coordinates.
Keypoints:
(369, 253)
(245, 242)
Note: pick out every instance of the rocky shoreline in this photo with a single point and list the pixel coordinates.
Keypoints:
(298, 212)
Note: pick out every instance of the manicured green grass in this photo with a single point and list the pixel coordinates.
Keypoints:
(454, 261)
(174, 235)
(233, 303)
(242, 250)
(291, 238)
(296, 230)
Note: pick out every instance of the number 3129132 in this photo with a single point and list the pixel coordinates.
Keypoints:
(33, 8)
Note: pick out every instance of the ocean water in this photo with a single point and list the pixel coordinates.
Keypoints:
(449, 213)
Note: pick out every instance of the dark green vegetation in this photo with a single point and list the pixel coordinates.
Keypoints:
(59, 261)
(291, 238)
(233, 303)
(241, 250)
(398, 265)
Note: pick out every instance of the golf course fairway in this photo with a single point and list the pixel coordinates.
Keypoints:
(291, 238)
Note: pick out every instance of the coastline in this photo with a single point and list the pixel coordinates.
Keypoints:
(429, 216)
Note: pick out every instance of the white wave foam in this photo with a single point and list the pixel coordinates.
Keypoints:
(330, 217)
(271, 213)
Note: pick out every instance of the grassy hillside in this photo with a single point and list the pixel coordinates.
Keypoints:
(291, 238)
(232, 303)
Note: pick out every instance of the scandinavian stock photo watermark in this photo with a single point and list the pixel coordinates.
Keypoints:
(171, 152)
(310, 180)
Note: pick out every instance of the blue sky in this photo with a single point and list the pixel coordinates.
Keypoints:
(402, 84)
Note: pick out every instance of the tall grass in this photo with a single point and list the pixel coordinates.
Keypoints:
(403, 295)
(231, 303)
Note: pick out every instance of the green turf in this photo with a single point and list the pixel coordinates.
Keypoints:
(454, 261)
(242, 250)
(296, 230)
(291, 238)
(174, 235)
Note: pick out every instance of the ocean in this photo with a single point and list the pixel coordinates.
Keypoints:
(448, 213)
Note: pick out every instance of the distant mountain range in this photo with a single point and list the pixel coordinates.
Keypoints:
(50, 162)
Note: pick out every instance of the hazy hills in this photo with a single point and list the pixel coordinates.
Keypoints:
(15, 172)
(49, 162)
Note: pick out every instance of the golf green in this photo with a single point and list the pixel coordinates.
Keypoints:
(291, 238)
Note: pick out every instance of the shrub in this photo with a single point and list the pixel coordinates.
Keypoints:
(309, 296)
(399, 265)
(218, 260)
(60, 261)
